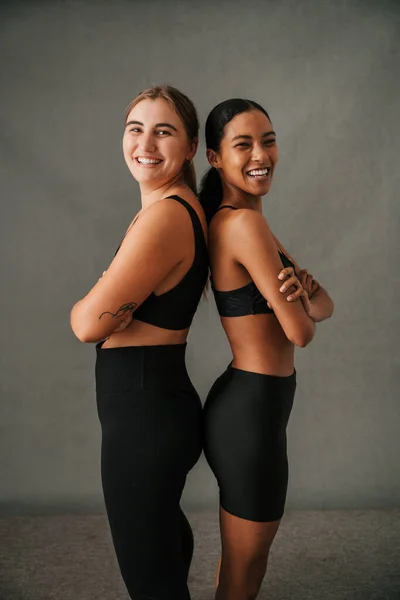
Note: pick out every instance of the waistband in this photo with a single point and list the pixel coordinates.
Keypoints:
(262, 377)
(141, 367)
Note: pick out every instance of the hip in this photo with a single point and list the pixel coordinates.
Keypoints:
(245, 394)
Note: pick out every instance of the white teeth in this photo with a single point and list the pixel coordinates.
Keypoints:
(148, 161)
(256, 172)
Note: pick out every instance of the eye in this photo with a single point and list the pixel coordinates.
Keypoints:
(270, 142)
(135, 130)
(243, 144)
(163, 132)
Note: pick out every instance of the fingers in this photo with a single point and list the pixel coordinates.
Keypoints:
(308, 282)
(294, 287)
(286, 272)
(291, 281)
(297, 286)
(295, 295)
(303, 276)
(314, 286)
(306, 302)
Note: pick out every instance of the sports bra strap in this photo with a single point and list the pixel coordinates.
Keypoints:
(226, 206)
(197, 226)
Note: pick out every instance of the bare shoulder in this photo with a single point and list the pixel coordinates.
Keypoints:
(166, 206)
(171, 204)
(242, 224)
(162, 217)
(163, 226)
(248, 219)
(180, 211)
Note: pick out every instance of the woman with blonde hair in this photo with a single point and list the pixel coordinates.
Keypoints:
(139, 314)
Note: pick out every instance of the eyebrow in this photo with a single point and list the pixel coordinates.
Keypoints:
(249, 137)
(157, 124)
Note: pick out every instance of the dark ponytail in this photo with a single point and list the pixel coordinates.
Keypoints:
(211, 190)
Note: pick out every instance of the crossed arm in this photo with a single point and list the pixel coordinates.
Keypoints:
(321, 304)
(255, 248)
(149, 252)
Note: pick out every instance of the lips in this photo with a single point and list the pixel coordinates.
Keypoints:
(147, 161)
(259, 173)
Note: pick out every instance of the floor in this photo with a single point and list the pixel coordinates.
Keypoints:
(321, 555)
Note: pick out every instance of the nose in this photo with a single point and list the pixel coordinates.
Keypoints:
(147, 143)
(259, 153)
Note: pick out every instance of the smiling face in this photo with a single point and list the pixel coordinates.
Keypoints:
(155, 143)
(248, 154)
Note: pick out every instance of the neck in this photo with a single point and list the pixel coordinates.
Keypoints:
(152, 192)
(240, 199)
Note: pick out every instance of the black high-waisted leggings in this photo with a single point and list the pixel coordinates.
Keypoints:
(246, 415)
(150, 418)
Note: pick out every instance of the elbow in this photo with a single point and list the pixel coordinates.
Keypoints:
(303, 337)
(302, 342)
(80, 333)
(86, 338)
(80, 329)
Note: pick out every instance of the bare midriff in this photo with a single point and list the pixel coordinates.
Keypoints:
(259, 344)
(143, 334)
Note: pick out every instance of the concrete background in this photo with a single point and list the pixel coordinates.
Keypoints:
(328, 73)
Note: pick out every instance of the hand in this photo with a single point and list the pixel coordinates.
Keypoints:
(291, 284)
(124, 323)
(294, 288)
(306, 302)
(310, 284)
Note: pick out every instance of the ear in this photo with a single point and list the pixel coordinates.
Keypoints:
(193, 148)
(213, 158)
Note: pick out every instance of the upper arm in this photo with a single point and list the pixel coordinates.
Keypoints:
(256, 250)
(286, 253)
(149, 252)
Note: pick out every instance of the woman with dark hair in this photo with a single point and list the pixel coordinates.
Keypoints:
(267, 306)
(139, 314)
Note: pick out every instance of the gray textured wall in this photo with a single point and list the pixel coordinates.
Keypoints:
(328, 74)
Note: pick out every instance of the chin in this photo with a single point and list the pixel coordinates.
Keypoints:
(142, 177)
(266, 190)
(261, 189)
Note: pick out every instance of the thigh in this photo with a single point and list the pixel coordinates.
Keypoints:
(150, 440)
(244, 557)
(149, 443)
(147, 531)
(242, 540)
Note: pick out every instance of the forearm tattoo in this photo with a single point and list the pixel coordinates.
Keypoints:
(123, 310)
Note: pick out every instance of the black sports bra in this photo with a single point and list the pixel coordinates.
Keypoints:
(175, 309)
(246, 300)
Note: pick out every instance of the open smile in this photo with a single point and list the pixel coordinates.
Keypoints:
(260, 173)
(148, 162)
